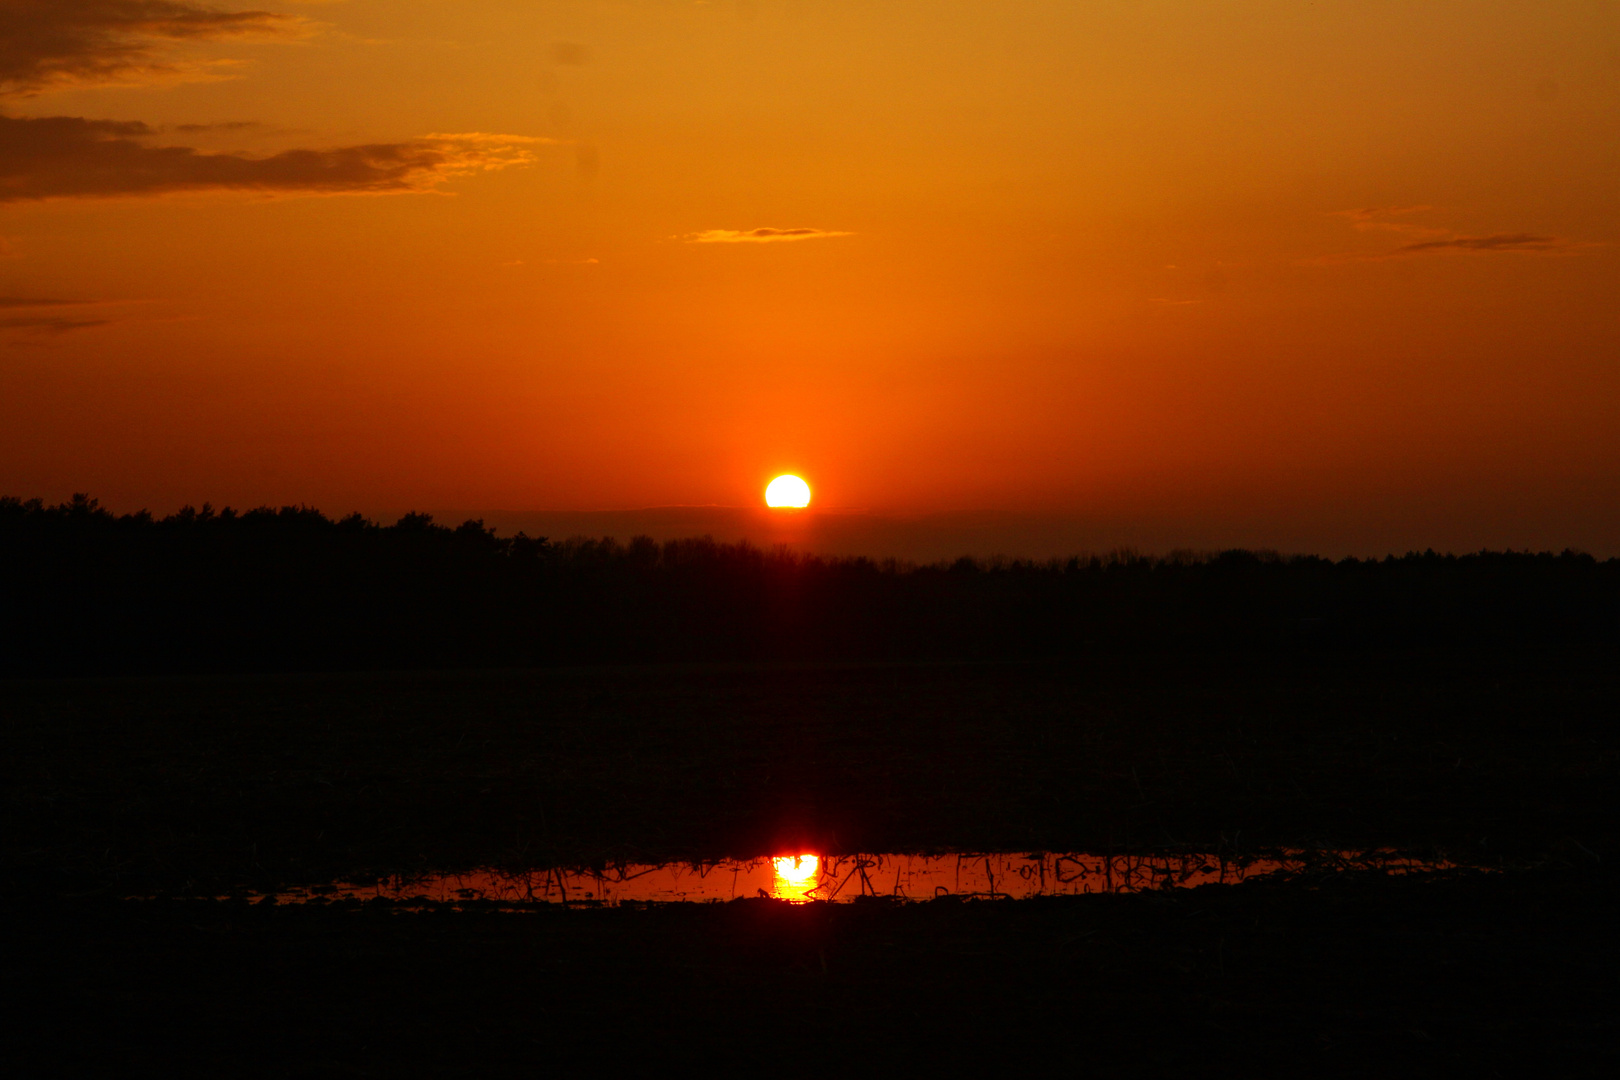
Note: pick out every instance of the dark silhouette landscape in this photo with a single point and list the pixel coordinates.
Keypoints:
(217, 704)
(809, 537)
(288, 588)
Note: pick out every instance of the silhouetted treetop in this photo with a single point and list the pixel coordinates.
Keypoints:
(83, 589)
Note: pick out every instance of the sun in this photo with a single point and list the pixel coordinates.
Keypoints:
(787, 490)
(797, 878)
(796, 870)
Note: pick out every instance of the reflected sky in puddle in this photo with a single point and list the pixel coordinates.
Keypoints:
(806, 877)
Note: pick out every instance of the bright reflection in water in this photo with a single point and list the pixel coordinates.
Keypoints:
(838, 878)
(797, 877)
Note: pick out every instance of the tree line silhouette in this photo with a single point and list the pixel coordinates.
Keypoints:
(83, 590)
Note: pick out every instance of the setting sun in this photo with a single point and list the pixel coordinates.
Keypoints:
(797, 870)
(789, 491)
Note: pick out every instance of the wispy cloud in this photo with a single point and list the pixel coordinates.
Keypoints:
(72, 157)
(758, 236)
(49, 44)
(46, 325)
(1495, 242)
(1431, 240)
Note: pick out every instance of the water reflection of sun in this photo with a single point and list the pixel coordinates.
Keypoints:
(796, 876)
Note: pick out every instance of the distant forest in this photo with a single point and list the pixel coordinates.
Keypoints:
(83, 590)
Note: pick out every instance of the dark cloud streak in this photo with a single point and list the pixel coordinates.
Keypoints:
(1428, 240)
(72, 157)
(1497, 242)
(46, 324)
(229, 125)
(51, 43)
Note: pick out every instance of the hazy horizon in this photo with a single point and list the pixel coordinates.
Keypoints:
(981, 533)
(940, 535)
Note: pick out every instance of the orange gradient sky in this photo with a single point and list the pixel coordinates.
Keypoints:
(1339, 275)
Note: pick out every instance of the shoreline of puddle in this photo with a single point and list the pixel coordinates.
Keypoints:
(808, 878)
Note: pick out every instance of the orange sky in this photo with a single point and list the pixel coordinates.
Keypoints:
(1339, 275)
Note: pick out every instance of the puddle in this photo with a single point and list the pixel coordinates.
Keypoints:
(843, 878)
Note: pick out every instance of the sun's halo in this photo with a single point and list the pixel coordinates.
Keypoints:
(787, 491)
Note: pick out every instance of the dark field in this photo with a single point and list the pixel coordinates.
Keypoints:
(1509, 975)
(198, 785)
(195, 786)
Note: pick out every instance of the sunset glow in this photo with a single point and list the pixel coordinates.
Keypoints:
(787, 491)
(1191, 273)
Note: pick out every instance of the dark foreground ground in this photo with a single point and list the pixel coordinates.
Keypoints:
(197, 786)
(1508, 975)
